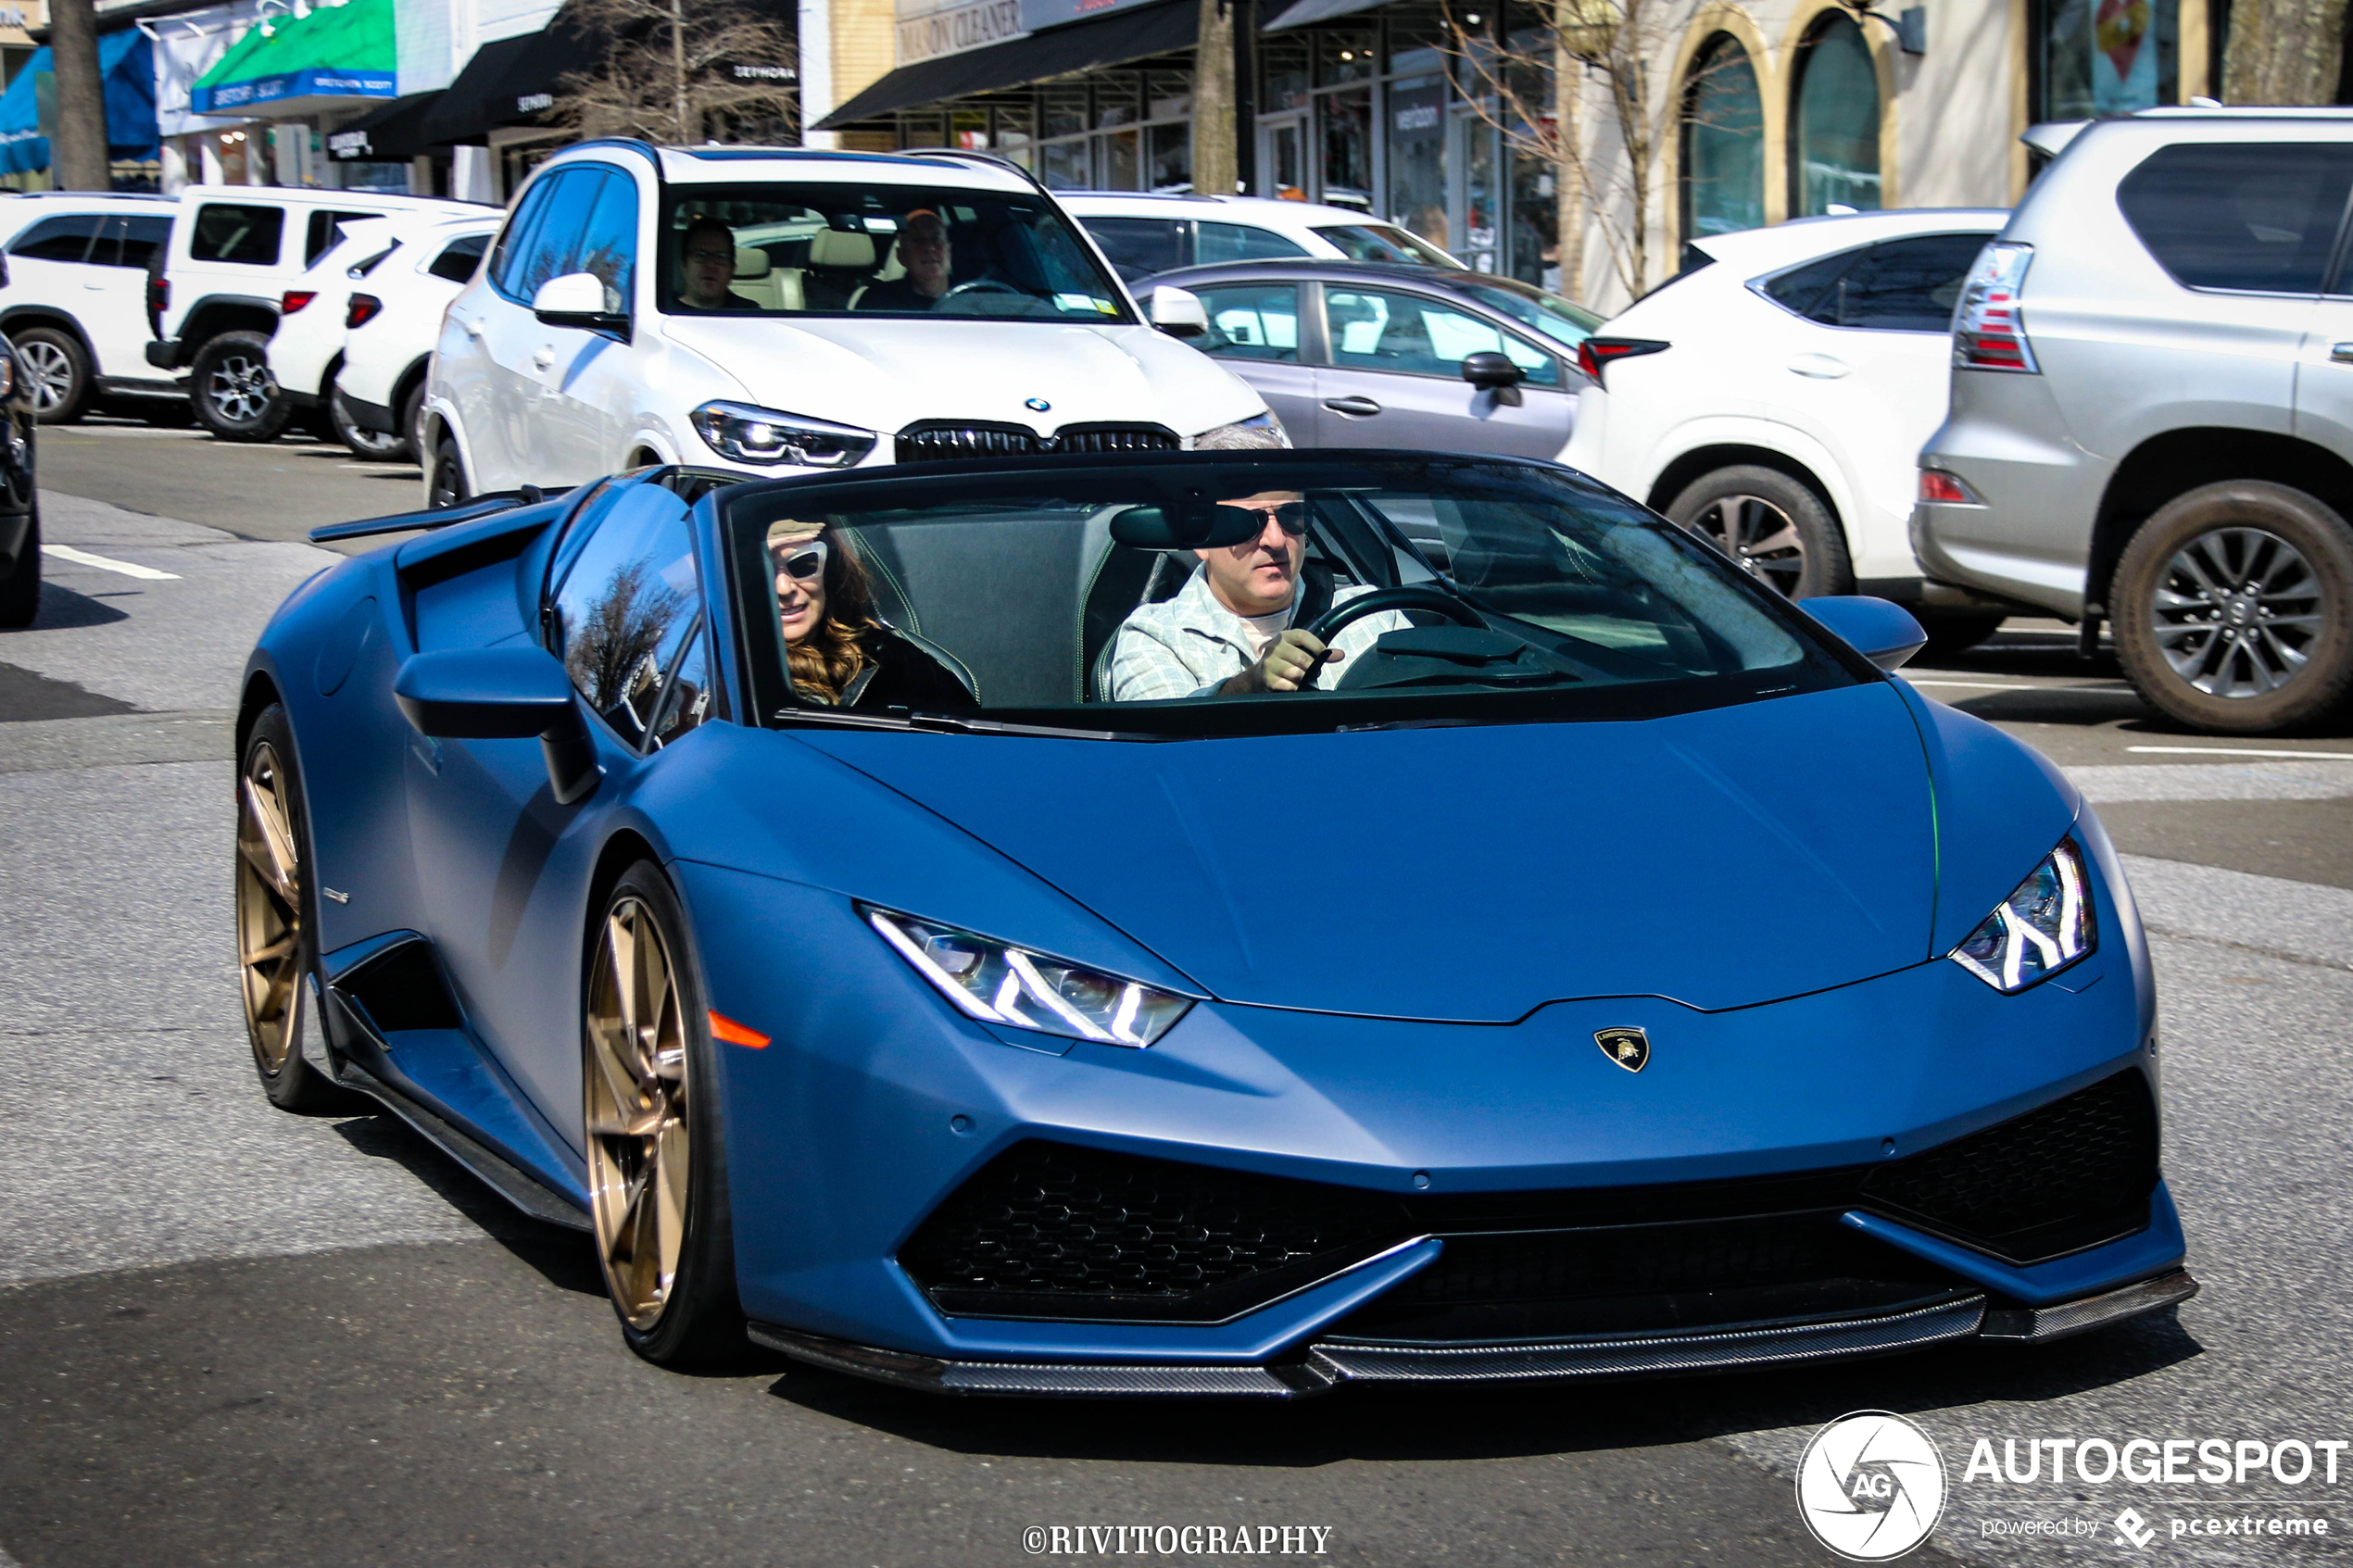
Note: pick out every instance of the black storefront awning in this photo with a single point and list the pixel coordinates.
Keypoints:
(1110, 41)
(512, 81)
(389, 134)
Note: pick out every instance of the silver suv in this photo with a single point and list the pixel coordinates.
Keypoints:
(2152, 411)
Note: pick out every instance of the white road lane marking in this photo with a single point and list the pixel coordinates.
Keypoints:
(2234, 751)
(2115, 783)
(107, 563)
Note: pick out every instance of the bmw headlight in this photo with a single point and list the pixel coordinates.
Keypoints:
(749, 434)
(999, 983)
(1242, 434)
(2038, 929)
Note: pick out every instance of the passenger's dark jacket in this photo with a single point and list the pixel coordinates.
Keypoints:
(900, 674)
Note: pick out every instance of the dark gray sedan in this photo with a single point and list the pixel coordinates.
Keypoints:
(1372, 354)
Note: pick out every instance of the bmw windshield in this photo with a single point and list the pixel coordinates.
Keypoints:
(1245, 593)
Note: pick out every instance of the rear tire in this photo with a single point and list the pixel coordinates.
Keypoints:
(446, 482)
(1773, 527)
(20, 591)
(2232, 608)
(371, 445)
(58, 368)
(235, 395)
(412, 416)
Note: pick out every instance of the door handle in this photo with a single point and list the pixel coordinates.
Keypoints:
(1357, 407)
(1820, 367)
(544, 359)
(2341, 353)
(473, 328)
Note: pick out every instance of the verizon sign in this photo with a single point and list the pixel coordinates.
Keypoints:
(951, 30)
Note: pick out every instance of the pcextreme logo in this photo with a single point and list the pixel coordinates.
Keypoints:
(1870, 1485)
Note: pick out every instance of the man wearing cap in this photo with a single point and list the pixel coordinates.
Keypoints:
(924, 251)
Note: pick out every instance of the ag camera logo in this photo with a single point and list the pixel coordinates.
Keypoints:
(1870, 1485)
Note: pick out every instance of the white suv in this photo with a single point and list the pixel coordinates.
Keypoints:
(1143, 235)
(768, 311)
(235, 250)
(73, 302)
(392, 322)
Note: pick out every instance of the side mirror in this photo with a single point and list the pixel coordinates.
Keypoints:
(1179, 312)
(578, 299)
(1885, 633)
(1490, 372)
(502, 693)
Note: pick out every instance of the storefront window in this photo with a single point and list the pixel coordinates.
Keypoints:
(1066, 110)
(1016, 131)
(1724, 142)
(968, 128)
(1061, 166)
(1535, 220)
(1417, 156)
(1345, 57)
(1122, 160)
(2106, 56)
(1115, 104)
(1345, 132)
(1416, 40)
(1168, 157)
(1476, 239)
(1835, 136)
(1282, 73)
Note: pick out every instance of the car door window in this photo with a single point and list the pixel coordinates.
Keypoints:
(1138, 247)
(607, 244)
(324, 230)
(63, 238)
(2249, 216)
(1905, 286)
(1239, 242)
(140, 241)
(514, 240)
(1376, 329)
(1251, 321)
(1802, 290)
(626, 609)
(238, 235)
(555, 242)
(460, 258)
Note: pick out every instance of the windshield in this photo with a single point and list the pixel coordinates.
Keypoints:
(1556, 318)
(1384, 241)
(1172, 599)
(833, 249)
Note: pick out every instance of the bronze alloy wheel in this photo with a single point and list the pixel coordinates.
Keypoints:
(640, 1142)
(269, 953)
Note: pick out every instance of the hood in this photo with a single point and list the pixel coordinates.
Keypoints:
(1720, 859)
(884, 374)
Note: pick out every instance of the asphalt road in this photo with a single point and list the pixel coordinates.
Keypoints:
(232, 1336)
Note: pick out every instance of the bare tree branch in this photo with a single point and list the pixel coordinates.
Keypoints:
(681, 71)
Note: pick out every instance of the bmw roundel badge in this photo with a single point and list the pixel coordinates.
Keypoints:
(1630, 1049)
(1036, 405)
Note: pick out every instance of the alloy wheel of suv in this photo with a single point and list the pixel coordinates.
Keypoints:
(236, 397)
(2234, 607)
(1774, 528)
(59, 373)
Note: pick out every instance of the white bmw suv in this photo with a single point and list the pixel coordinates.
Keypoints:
(773, 311)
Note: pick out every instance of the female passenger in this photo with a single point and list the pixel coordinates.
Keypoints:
(838, 652)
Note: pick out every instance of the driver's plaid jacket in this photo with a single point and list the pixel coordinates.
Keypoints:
(1192, 644)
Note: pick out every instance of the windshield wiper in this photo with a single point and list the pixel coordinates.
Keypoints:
(949, 723)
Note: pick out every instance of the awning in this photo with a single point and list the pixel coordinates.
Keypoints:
(512, 81)
(1305, 12)
(303, 65)
(126, 65)
(1114, 40)
(389, 134)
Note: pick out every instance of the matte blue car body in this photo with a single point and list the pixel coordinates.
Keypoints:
(1400, 972)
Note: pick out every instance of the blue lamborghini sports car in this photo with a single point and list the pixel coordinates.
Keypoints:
(908, 918)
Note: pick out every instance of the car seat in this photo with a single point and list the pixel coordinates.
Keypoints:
(758, 280)
(840, 262)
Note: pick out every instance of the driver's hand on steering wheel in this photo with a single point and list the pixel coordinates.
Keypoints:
(1287, 662)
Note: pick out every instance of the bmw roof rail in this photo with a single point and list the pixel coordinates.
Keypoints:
(437, 516)
(970, 157)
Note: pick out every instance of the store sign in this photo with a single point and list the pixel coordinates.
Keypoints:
(952, 29)
(349, 146)
(1037, 14)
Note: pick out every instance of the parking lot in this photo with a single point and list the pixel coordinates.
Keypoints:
(230, 1335)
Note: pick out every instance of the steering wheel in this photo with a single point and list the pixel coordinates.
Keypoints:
(983, 285)
(1413, 595)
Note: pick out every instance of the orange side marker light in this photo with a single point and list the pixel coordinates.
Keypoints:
(727, 1029)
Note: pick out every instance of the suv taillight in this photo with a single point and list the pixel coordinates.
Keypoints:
(159, 294)
(361, 309)
(295, 299)
(1598, 354)
(1988, 334)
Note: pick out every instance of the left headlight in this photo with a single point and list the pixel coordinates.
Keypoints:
(1001, 983)
(2040, 929)
(1265, 421)
(751, 434)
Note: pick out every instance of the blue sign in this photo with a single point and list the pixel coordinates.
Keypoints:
(327, 82)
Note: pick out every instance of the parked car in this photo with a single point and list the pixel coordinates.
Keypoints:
(393, 324)
(1378, 354)
(2152, 411)
(20, 502)
(1142, 234)
(580, 348)
(305, 350)
(1772, 396)
(214, 295)
(73, 299)
(956, 1044)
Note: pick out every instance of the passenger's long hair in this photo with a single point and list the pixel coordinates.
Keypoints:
(824, 662)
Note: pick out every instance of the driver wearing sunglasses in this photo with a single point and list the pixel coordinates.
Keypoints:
(839, 653)
(1228, 632)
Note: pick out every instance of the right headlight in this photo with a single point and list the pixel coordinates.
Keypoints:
(747, 434)
(1001, 983)
(2040, 929)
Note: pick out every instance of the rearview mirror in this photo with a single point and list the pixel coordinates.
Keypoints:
(1490, 372)
(578, 299)
(1179, 312)
(502, 693)
(1885, 633)
(1193, 527)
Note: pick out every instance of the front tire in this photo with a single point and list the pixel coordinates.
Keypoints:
(235, 395)
(446, 482)
(1773, 527)
(60, 369)
(2234, 609)
(657, 1162)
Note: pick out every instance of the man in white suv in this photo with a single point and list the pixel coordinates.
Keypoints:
(585, 346)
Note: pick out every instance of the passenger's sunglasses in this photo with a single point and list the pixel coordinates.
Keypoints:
(803, 563)
(1290, 516)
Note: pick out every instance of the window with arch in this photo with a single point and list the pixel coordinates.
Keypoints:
(1723, 174)
(1834, 123)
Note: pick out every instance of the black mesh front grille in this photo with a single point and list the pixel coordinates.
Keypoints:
(2062, 1177)
(939, 441)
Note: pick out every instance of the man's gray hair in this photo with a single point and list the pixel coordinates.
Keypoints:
(1240, 438)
